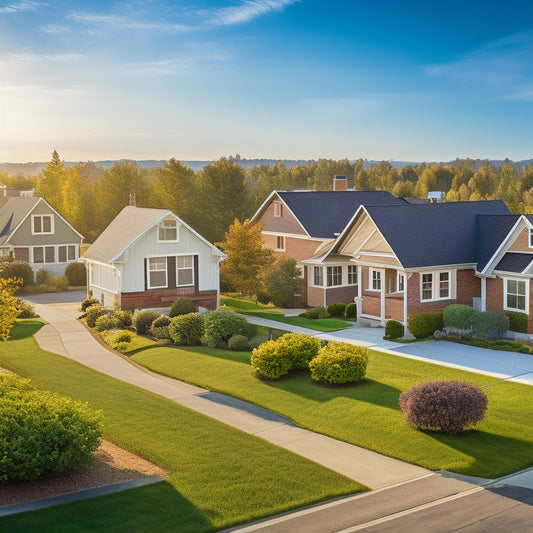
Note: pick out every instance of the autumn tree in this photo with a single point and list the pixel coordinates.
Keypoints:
(9, 305)
(484, 182)
(51, 181)
(247, 259)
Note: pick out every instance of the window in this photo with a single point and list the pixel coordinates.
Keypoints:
(157, 272)
(185, 270)
(531, 238)
(352, 274)
(437, 286)
(334, 276)
(400, 282)
(444, 284)
(168, 230)
(280, 242)
(278, 209)
(427, 286)
(515, 295)
(375, 280)
(318, 276)
(66, 253)
(42, 224)
(44, 254)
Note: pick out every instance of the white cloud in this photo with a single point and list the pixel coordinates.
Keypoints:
(25, 58)
(19, 7)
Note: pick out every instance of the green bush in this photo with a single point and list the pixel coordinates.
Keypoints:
(93, 312)
(298, 349)
(107, 321)
(339, 362)
(160, 327)
(517, 321)
(43, 431)
(263, 297)
(187, 330)
(125, 316)
(491, 325)
(336, 310)
(238, 343)
(142, 320)
(59, 282)
(315, 313)
(76, 274)
(26, 310)
(88, 302)
(17, 269)
(221, 325)
(118, 340)
(459, 317)
(42, 277)
(268, 362)
(351, 311)
(394, 329)
(182, 306)
(425, 324)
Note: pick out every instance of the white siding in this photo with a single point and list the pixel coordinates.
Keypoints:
(103, 277)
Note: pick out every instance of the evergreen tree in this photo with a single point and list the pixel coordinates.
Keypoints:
(51, 181)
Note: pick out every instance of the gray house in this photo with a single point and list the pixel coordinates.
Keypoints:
(32, 231)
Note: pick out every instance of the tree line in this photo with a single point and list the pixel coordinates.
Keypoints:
(89, 196)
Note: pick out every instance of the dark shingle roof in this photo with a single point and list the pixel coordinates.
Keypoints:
(491, 231)
(433, 234)
(325, 213)
(12, 212)
(514, 262)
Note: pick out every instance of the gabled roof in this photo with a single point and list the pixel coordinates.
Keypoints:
(425, 235)
(127, 227)
(514, 262)
(491, 232)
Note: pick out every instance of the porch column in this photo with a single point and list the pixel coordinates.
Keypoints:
(325, 281)
(405, 317)
(483, 293)
(359, 291)
(382, 295)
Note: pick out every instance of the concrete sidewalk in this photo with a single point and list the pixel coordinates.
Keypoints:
(68, 337)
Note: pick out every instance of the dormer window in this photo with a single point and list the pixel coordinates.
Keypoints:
(168, 230)
(42, 224)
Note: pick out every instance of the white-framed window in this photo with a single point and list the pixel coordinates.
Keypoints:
(400, 282)
(44, 254)
(334, 276)
(531, 237)
(516, 295)
(66, 253)
(157, 273)
(280, 243)
(168, 231)
(352, 274)
(184, 270)
(42, 224)
(278, 209)
(318, 276)
(437, 286)
(374, 280)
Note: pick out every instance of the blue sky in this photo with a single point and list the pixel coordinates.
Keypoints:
(293, 79)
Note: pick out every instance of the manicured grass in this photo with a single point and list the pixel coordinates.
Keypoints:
(220, 476)
(367, 414)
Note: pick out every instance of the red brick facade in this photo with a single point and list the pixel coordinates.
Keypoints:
(371, 303)
(165, 297)
(394, 306)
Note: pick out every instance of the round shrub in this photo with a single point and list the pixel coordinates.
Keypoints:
(351, 311)
(93, 312)
(43, 431)
(298, 349)
(42, 277)
(425, 324)
(160, 327)
(268, 362)
(182, 306)
(263, 297)
(394, 329)
(336, 310)
(238, 343)
(76, 274)
(88, 302)
(17, 269)
(459, 316)
(125, 317)
(107, 321)
(187, 330)
(447, 406)
(221, 325)
(59, 282)
(142, 320)
(315, 313)
(517, 321)
(339, 362)
(26, 310)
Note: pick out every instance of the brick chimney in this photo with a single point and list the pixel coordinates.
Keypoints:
(340, 183)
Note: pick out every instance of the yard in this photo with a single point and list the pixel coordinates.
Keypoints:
(220, 476)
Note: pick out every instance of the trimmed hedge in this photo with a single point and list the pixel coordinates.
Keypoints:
(298, 349)
(517, 321)
(351, 311)
(336, 310)
(459, 316)
(394, 329)
(187, 330)
(182, 306)
(315, 313)
(339, 362)
(221, 325)
(268, 362)
(76, 274)
(446, 406)
(43, 431)
(425, 324)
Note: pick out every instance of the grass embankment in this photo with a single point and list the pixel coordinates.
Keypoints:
(220, 476)
(367, 414)
(247, 307)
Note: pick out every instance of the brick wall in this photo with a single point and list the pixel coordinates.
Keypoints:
(494, 295)
(299, 249)
(341, 294)
(371, 303)
(394, 307)
(165, 297)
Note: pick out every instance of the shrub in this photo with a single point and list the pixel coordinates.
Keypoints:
(424, 324)
(43, 431)
(59, 282)
(447, 406)
(263, 297)
(142, 320)
(238, 343)
(107, 321)
(315, 313)
(460, 317)
(93, 313)
(76, 274)
(491, 325)
(118, 340)
(26, 310)
(42, 277)
(182, 306)
(17, 269)
(268, 362)
(160, 327)
(298, 349)
(125, 316)
(351, 311)
(187, 329)
(336, 310)
(517, 321)
(221, 325)
(88, 302)
(394, 329)
(339, 362)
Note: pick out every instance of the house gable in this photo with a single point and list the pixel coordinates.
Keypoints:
(275, 216)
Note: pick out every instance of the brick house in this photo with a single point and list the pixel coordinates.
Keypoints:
(149, 258)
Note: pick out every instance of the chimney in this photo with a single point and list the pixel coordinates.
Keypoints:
(340, 183)
(133, 200)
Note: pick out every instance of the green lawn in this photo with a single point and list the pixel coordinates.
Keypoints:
(247, 307)
(220, 476)
(367, 414)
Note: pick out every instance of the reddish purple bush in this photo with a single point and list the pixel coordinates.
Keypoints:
(447, 406)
